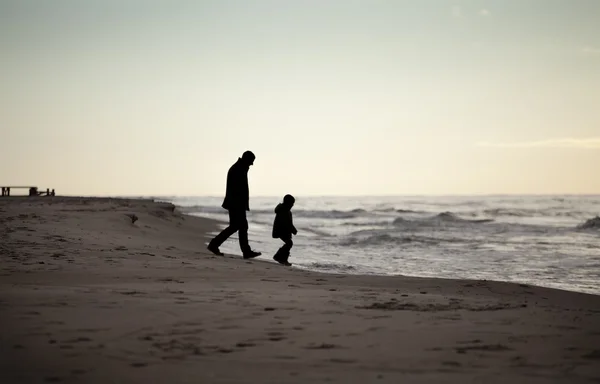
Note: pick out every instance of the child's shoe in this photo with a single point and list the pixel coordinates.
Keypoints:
(282, 259)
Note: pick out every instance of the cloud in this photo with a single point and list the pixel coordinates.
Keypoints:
(590, 51)
(485, 12)
(456, 11)
(589, 143)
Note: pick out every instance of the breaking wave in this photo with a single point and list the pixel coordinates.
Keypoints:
(523, 212)
(386, 210)
(332, 267)
(386, 238)
(593, 223)
(441, 218)
(334, 214)
(381, 223)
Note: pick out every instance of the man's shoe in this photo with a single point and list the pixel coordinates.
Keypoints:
(251, 254)
(215, 250)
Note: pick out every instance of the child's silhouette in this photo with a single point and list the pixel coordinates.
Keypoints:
(283, 228)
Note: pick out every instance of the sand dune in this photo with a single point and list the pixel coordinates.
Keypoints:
(87, 296)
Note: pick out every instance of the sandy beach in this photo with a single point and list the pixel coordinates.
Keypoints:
(87, 296)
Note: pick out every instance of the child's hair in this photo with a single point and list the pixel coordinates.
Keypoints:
(288, 199)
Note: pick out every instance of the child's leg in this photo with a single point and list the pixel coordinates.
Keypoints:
(281, 253)
(287, 247)
(284, 252)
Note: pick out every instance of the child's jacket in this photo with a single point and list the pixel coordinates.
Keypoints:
(283, 226)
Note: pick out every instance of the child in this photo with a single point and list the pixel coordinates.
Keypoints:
(283, 228)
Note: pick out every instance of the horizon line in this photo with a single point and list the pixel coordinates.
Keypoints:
(338, 195)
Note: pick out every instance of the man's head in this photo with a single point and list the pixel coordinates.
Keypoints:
(289, 200)
(248, 157)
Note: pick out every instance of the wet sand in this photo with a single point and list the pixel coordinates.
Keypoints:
(87, 296)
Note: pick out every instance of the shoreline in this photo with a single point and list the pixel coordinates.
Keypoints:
(89, 296)
(183, 209)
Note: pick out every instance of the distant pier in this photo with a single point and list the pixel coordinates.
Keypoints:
(33, 191)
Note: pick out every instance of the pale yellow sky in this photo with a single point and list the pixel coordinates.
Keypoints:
(334, 97)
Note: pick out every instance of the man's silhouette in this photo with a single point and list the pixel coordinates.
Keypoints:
(236, 201)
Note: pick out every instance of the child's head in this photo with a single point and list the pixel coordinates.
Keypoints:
(289, 200)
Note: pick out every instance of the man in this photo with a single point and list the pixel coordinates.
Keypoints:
(236, 201)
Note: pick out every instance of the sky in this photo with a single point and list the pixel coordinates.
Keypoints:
(335, 97)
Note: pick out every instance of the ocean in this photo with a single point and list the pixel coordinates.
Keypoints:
(551, 241)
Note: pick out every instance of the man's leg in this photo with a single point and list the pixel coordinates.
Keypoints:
(238, 219)
(215, 243)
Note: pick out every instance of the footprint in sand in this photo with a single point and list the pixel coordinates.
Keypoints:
(286, 357)
(343, 361)
(488, 347)
(130, 293)
(451, 363)
(322, 346)
(276, 336)
(169, 280)
(77, 340)
(78, 371)
(226, 327)
(595, 355)
(190, 333)
(245, 344)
